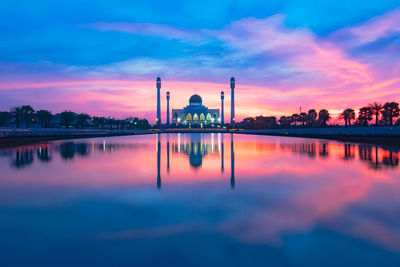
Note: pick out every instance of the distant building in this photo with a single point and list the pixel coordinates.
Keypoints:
(195, 114)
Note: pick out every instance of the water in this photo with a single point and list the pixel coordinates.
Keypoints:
(199, 200)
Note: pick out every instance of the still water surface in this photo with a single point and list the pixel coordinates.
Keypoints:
(199, 200)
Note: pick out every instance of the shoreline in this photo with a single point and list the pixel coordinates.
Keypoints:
(16, 137)
(386, 135)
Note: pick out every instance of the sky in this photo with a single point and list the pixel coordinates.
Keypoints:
(102, 57)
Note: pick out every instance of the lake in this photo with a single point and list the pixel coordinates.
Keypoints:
(199, 200)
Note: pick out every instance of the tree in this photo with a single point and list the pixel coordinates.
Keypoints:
(376, 110)
(16, 112)
(323, 117)
(44, 117)
(99, 122)
(303, 118)
(81, 119)
(28, 115)
(295, 118)
(347, 115)
(284, 122)
(111, 122)
(390, 111)
(4, 118)
(311, 117)
(67, 118)
(365, 115)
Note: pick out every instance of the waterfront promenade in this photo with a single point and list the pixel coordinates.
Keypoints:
(15, 136)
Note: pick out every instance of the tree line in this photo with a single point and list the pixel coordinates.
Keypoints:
(373, 114)
(26, 116)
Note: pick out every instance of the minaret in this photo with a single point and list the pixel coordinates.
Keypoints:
(222, 108)
(168, 108)
(158, 119)
(232, 101)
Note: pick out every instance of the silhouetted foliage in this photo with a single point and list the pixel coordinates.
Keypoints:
(364, 116)
(4, 118)
(67, 118)
(376, 111)
(347, 115)
(323, 117)
(284, 122)
(311, 117)
(28, 115)
(303, 118)
(81, 120)
(258, 123)
(99, 122)
(390, 111)
(16, 112)
(44, 118)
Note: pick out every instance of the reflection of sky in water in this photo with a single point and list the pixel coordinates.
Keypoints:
(194, 199)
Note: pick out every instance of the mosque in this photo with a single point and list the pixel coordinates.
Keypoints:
(196, 114)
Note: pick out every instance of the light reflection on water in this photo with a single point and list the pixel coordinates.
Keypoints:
(198, 199)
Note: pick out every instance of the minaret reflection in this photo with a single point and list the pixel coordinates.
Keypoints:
(222, 153)
(158, 161)
(167, 153)
(232, 164)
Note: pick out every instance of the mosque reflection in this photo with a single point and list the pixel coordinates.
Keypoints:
(196, 148)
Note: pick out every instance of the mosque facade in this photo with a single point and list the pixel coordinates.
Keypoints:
(195, 114)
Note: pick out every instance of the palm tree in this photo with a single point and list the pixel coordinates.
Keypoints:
(323, 117)
(81, 119)
(16, 112)
(28, 114)
(295, 118)
(311, 117)
(67, 118)
(376, 110)
(365, 115)
(390, 111)
(347, 115)
(284, 122)
(303, 118)
(44, 117)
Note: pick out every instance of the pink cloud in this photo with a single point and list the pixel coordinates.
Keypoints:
(370, 31)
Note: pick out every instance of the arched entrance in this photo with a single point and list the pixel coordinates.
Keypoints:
(195, 118)
(189, 118)
(209, 118)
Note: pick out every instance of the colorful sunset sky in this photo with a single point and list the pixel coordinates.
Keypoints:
(103, 56)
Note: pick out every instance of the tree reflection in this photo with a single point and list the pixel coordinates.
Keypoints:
(349, 151)
(23, 158)
(43, 154)
(67, 150)
(323, 150)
